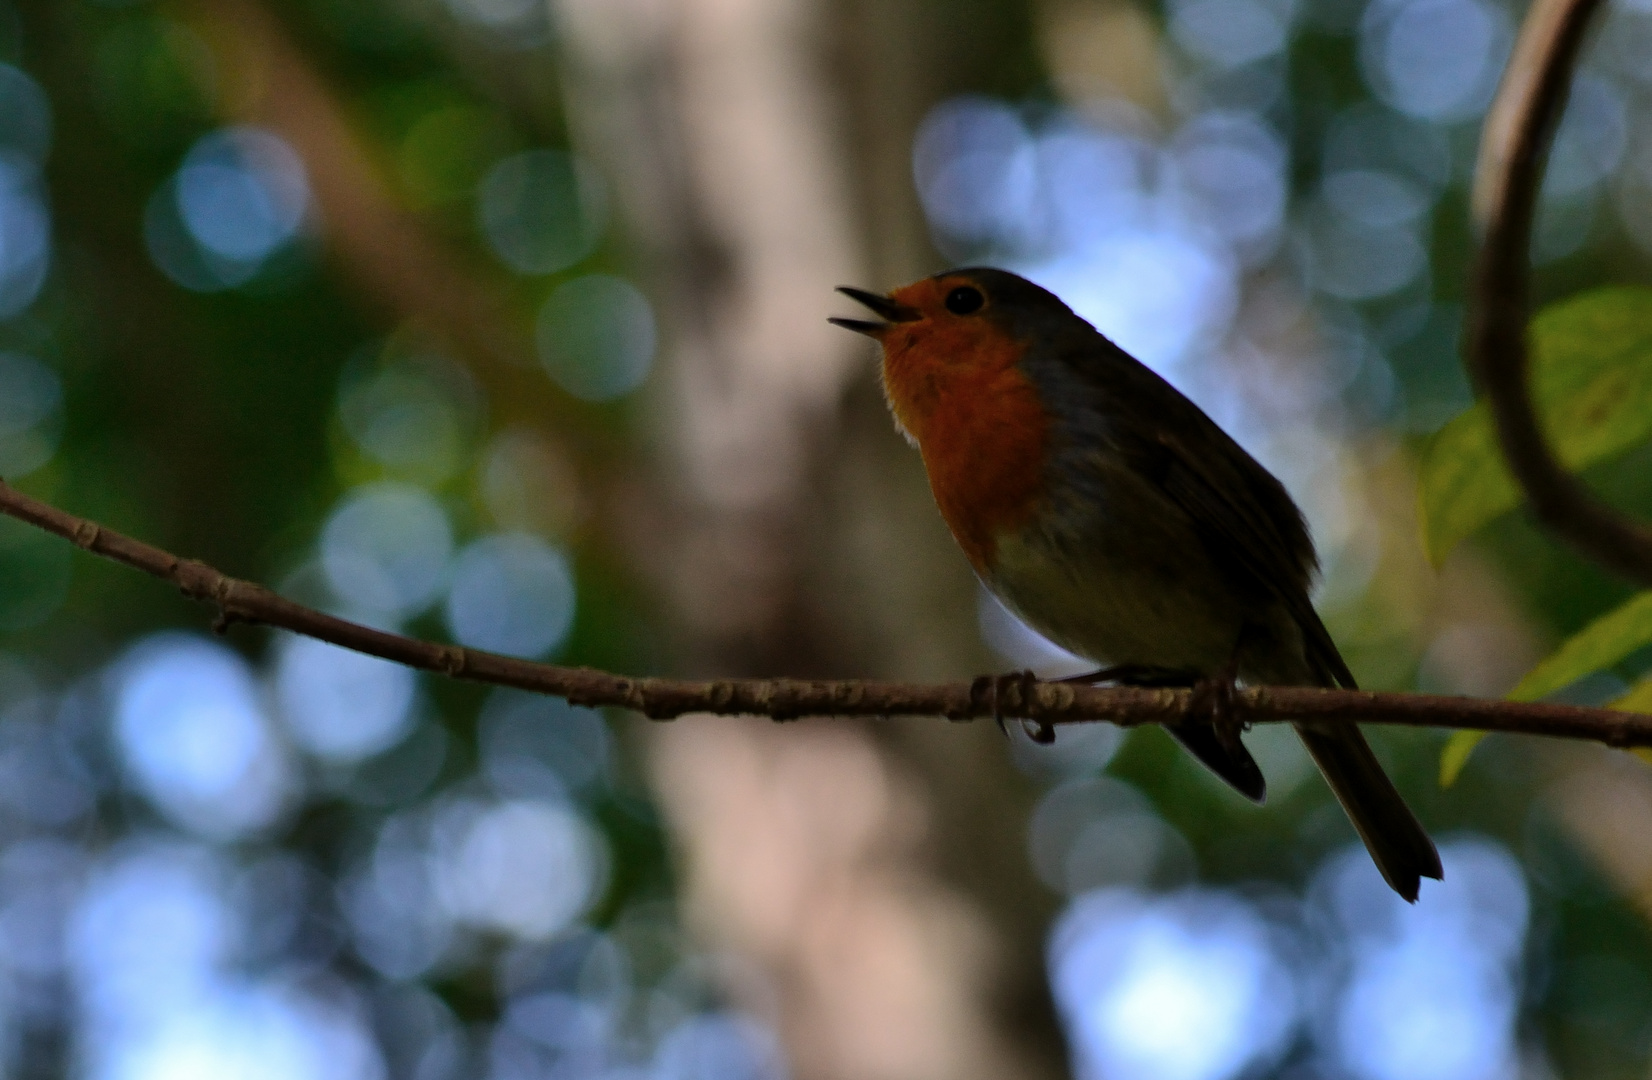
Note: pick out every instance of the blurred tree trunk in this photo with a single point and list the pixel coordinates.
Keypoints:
(875, 874)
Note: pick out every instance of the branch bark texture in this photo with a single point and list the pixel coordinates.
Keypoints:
(788, 699)
(1519, 129)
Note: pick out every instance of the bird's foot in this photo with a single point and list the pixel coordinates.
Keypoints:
(1212, 724)
(1039, 730)
(1216, 700)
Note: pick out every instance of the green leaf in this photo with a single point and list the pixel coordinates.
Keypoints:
(1462, 743)
(1455, 755)
(1592, 387)
(1599, 645)
(1638, 699)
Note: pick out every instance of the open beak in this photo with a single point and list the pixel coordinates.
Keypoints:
(880, 305)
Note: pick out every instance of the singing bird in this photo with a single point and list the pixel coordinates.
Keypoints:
(1118, 520)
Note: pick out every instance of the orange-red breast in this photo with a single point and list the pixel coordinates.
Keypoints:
(1117, 519)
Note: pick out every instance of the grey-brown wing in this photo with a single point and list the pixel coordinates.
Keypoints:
(1248, 523)
(1243, 515)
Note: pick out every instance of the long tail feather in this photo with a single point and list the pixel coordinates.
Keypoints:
(1397, 842)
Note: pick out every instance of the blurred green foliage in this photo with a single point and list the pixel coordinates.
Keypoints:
(1591, 379)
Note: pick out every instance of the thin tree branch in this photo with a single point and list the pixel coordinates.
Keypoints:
(786, 699)
(1509, 177)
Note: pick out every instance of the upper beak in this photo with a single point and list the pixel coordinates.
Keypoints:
(882, 305)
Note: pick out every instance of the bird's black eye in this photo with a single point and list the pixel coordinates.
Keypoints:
(964, 300)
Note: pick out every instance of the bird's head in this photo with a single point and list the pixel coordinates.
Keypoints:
(959, 333)
(953, 347)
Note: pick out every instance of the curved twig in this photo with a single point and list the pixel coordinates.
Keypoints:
(786, 699)
(1509, 176)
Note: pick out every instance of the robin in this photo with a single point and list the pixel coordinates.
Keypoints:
(1118, 520)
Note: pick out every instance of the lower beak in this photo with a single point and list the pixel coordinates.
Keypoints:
(881, 305)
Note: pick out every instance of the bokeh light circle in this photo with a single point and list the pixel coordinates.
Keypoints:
(596, 336)
(385, 550)
(541, 211)
(342, 705)
(25, 118)
(191, 728)
(1229, 33)
(512, 593)
(414, 414)
(525, 867)
(976, 170)
(148, 931)
(398, 924)
(239, 197)
(720, 1046)
(1236, 164)
(242, 193)
(534, 745)
(31, 413)
(1431, 991)
(25, 236)
(1590, 141)
(1434, 59)
(1188, 986)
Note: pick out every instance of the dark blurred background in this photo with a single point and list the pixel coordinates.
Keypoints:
(503, 322)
